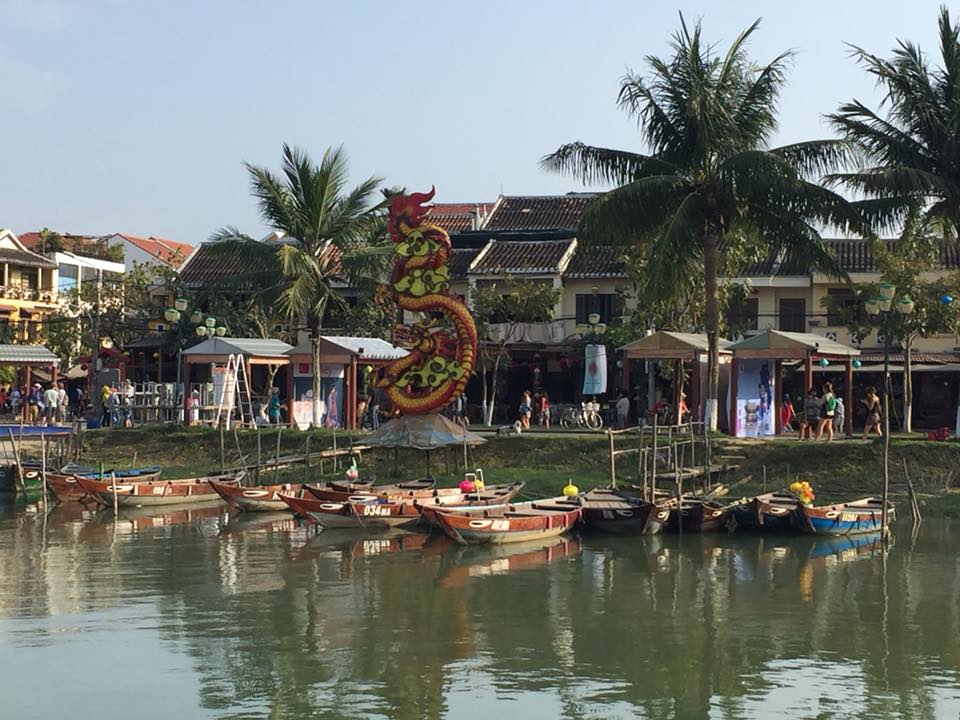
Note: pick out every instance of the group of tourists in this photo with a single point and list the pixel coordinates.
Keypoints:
(534, 407)
(116, 405)
(44, 406)
(825, 413)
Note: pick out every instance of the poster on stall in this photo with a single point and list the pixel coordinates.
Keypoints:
(331, 394)
(754, 401)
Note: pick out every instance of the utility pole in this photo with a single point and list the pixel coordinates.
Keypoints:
(94, 367)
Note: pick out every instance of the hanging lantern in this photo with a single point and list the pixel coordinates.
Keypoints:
(872, 306)
(210, 322)
(946, 299)
(201, 330)
(823, 362)
(905, 305)
(856, 364)
(221, 331)
(197, 317)
(180, 304)
(171, 314)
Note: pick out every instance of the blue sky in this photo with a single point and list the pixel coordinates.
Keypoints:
(118, 115)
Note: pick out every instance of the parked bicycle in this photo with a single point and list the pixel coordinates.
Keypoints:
(587, 415)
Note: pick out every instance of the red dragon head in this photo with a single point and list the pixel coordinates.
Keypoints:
(408, 211)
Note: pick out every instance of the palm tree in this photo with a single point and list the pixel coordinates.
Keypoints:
(708, 183)
(911, 153)
(329, 235)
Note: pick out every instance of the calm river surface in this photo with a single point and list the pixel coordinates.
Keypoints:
(188, 614)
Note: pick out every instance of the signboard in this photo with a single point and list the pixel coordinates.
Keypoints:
(595, 370)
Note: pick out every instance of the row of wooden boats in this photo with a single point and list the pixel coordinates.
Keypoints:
(489, 515)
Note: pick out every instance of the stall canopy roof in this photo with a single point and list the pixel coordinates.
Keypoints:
(790, 345)
(257, 347)
(373, 348)
(26, 355)
(668, 344)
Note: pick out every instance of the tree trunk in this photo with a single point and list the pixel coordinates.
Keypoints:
(712, 323)
(908, 385)
(316, 327)
(493, 389)
(484, 385)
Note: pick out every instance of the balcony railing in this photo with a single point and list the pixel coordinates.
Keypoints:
(19, 292)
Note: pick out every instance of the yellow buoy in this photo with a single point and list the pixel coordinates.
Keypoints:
(570, 490)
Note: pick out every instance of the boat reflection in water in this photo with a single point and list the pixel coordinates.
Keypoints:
(272, 619)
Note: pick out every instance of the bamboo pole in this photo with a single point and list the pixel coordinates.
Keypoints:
(613, 462)
(43, 468)
(223, 456)
(306, 462)
(914, 505)
(276, 466)
(16, 455)
(116, 503)
(259, 455)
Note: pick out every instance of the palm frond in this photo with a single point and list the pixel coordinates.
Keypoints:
(592, 165)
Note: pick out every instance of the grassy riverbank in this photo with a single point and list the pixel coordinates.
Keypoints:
(838, 470)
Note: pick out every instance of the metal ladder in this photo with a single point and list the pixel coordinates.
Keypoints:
(235, 393)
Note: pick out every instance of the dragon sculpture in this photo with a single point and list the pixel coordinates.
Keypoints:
(443, 345)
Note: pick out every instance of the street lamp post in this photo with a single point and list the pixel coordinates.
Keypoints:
(205, 327)
(883, 306)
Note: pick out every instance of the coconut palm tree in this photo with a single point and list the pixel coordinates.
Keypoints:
(329, 235)
(911, 152)
(708, 184)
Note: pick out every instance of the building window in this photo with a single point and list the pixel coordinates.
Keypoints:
(67, 280)
(843, 306)
(742, 317)
(793, 315)
(606, 305)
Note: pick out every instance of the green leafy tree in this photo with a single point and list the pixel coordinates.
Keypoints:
(499, 311)
(905, 263)
(331, 234)
(708, 180)
(910, 154)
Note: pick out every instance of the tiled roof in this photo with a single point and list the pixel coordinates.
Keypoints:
(11, 354)
(71, 243)
(596, 262)
(459, 261)
(545, 212)
(212, 264)
(169, 251)
(876, 356)
(246, 346)
(854, 255)
(15, 256)
(454, 217)
(516, 257)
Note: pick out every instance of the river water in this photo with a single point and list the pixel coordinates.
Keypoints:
(194, 614)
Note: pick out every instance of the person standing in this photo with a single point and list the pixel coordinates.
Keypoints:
(273, 406)
(828, 402)
(51, 404)
(16, 401)
(872, 401)
(545, 410)
(35, 404)
(62, 402)
(623, 411)
(839, 416)
(525, 410)
(786, 413)
(811, 414)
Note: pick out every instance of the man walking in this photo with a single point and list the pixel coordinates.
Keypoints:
(623, 411)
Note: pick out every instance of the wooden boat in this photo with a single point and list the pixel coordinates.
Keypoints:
(609, 510)
(368, 486)
(65, 487)
(695, 515)
(260, 498)
(851, 518)
(771, 512)
(517, 522)
(492, 496)
(192, 491)
(327, 493)
(359, 513)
